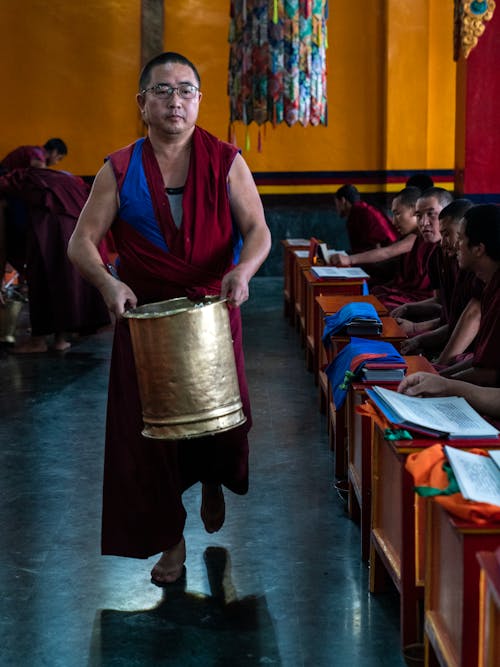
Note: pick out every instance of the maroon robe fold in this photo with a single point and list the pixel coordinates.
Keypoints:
(487, 349)
(60, 300)
(144, 479)
(368, 228)
(412, 282)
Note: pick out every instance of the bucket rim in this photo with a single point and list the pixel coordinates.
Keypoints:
(147, 312)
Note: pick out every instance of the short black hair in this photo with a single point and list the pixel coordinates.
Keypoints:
(56, 145)
(408, 196)
(443, 196)
(482, 225)
(456, 209)
(421, 181)
(349, 192)
(163, 59)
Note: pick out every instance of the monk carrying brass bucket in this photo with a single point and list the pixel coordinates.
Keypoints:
(185, 366)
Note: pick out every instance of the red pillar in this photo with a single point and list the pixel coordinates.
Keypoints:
(477, 169)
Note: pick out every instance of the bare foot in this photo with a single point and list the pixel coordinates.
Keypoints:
(61, 346)
(170, 566)
(60, 343)
(213, 507)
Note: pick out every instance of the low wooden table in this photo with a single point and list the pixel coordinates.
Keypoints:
(359, 452)
(290, 246)
(452, 587)
(329, 305)
(398, 525)
(313, 288)
(391, 333)
(489, 610)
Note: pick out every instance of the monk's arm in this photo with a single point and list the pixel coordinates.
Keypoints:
(485, 400)
(382, 254)
(423, 310)
(247, 210)
(426, 341)
(94, 221)
(487, 377)
(464, 332)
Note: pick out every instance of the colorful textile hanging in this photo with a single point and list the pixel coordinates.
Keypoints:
(277, 61)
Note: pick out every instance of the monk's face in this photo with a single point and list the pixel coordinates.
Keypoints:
(427, 212)
(449, 228)
(173, 114)
(465, 254)
(342, 207)
(403, 217)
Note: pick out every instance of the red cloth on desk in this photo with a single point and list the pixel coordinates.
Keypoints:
(426, 467)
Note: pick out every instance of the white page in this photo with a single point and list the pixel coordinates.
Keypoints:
(450, 414)
(301, 253)
(495, 455)
(339, 272)
(297, 241)
(478, 476)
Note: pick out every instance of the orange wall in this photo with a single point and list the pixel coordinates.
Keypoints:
(391, 82)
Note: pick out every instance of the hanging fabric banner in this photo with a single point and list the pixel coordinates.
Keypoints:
(277, 61)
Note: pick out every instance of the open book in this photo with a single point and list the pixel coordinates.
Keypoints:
(445, 417)
(330, 272)
(324, 253)
(478, 477)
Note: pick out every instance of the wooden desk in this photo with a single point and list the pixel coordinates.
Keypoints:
(314, 288)
(359, 452)
(452, 587)
(331, 304)
(300, 265)
(289, 248)
(489, 608)
(398, 525)
(337, 431)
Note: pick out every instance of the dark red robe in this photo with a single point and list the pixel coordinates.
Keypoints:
(144, 479)
(412, 282)
(60, 300)
(368, 228)
(20, 157)
(487, 348)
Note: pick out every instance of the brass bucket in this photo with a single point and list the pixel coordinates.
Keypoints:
(9, 314)
(185, 366)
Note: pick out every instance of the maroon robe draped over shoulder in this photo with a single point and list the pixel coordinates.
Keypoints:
(60, 300)
(412, 282)
(368, 228)
(144, 479)
(487, 349)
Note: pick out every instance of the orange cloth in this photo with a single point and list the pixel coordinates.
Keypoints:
(426, 467)
(369, 410)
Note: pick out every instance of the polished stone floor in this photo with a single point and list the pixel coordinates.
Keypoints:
(280, 584)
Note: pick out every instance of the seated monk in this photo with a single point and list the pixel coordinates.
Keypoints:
(405, 223)
(366, 226)
(457, 291)
(412, 282)
(60, 301)
(479, 251)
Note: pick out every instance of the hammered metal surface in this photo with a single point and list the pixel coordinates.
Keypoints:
(185, 368)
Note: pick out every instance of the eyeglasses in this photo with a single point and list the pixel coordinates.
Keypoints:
(162, 90)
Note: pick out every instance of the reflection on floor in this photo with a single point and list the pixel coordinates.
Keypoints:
(280, 584)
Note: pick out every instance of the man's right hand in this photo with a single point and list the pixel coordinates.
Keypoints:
(338, 259)
(117, 296)
(424, 384)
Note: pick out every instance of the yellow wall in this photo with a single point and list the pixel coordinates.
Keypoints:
(391, 82)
